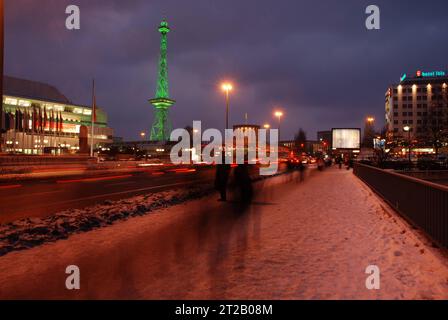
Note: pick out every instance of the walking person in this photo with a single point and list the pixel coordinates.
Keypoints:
(339, 161)
(221, 179)
(243, 182)
(301, 171)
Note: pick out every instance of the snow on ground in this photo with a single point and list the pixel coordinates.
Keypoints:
(310, 240)
(30, 232)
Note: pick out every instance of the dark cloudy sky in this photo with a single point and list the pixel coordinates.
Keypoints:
(313, 58)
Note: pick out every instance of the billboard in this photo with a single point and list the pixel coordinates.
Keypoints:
(346, 138)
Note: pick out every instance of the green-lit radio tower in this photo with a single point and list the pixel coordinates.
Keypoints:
(161, 127)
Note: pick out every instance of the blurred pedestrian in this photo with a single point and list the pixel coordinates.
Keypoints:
(339, 161)
(301, 170)
(320, 164)
(243, 183)
(222, 178)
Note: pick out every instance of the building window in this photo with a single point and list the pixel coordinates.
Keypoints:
(395, 114)
(405, 114)
(395, 121)
(11, 101)
(405, 122)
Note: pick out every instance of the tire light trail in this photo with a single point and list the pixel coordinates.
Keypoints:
(183, 170)
(12, 186)
(95, 179)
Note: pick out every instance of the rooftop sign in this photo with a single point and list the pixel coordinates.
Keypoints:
(430, 74)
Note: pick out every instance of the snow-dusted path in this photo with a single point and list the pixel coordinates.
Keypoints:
(310, 240)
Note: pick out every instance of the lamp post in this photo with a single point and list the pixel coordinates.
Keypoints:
(279, 115)
(408, 130)
(142, 135)
(227, 87)
(1, 71)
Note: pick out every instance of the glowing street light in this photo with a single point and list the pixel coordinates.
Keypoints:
(142, 135)
(370, 120)
(227, 87)
(1, 69)
(279, 115)
(267, 126)
(408, 130)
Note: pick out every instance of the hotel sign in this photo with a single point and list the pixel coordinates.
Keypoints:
(431, 74)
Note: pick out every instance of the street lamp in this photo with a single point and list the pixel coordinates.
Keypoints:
(227, 87)
(267, 126)
(1, 70)
(370, 120)
(279, 115)
(408, 130)
(142, 135)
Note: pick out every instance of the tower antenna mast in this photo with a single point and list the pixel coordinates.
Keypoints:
(161, 127)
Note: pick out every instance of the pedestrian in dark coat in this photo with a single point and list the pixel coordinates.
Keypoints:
(221, 179)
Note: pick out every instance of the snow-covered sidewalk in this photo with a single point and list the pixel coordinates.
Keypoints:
(310, 240)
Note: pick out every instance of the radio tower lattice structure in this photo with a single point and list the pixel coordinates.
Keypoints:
(161, 127)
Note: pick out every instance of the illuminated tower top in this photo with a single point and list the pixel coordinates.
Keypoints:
(162, 80)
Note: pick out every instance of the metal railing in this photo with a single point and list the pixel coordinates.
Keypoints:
(422, 203)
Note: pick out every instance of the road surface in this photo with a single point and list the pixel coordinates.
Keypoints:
(28, 199)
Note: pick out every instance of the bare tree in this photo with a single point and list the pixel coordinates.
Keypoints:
(300, 141)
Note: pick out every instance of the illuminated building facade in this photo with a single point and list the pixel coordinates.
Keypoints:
(39, 119)
(416, 102)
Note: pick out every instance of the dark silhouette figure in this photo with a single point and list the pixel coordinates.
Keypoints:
(301, 171)
(339, 161)
(221, 180)
(243, 183)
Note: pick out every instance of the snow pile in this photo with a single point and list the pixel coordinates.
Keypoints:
(31, 232)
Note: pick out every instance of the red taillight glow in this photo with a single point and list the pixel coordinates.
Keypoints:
(12, 186)
(95, 179)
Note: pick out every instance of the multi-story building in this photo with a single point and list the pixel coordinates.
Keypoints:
(415, 103)
(39, 119)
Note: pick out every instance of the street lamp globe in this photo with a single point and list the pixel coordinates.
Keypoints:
(227, 87)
